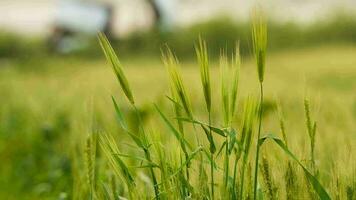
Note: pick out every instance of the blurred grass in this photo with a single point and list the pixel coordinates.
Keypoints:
(40, 110)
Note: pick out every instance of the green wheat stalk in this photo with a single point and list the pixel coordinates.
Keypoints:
(118, 69)
(249, 118)
(116, 66)
(203, 60)
(259, 40)
(311, 129)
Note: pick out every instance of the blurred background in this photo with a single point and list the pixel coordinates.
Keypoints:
(140, 27)
(53, 75)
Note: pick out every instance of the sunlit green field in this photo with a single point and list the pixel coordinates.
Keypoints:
(45, 112)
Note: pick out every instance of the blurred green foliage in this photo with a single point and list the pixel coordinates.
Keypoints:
(31, 151)
(219, 33)
(224, 33)
(17, 46)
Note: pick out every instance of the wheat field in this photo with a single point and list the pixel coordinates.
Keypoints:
(71, 129)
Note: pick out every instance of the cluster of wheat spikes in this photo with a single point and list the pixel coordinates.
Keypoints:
(218, 167)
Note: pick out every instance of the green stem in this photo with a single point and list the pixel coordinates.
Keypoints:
(187, 166)
(140, 122)
(242, 178)
(185, 155)
(181, 130)
(258, 145)
(147, 153)
(155, 184)
(235, 173)
(211, 163)
(200, 152)
(187, 170)
(312, 160)
(226, 162)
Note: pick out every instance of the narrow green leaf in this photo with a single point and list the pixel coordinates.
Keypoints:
(210, 139)
(233, 139)
(136, 139)
(190, 157)
(319, 189)
(108, 194)
(132, 157)
(221, 148)
(151, 165)
(207, 154)
(174, 102)
(119, 115)
(124, 126)
(110, 148)
(214, 129)
(176, 133)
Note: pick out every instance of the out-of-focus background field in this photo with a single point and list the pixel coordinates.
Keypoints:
(48, 95)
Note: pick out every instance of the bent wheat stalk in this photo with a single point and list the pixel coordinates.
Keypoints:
(117, 67)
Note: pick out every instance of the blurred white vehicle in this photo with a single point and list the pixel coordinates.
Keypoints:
(76, 20)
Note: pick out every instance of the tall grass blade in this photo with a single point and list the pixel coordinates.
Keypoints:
(319, 189)
(191, 157)
(176, 133)
(123, 123)
(212, 147)
(219, 131)
(119, 115)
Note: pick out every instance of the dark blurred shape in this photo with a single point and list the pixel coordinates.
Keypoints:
(76, 21)
(156, 12)
(164, 13)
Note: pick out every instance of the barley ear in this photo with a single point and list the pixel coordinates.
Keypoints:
(172, 65)
(249, 120)
(116, 65)
(267, 179)
(90, 162)
(111, 151)
(225, 83)
(291, 182)
(281, 122)
(236, 64)
(259, 39)
(203, 60)
(308, 117)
